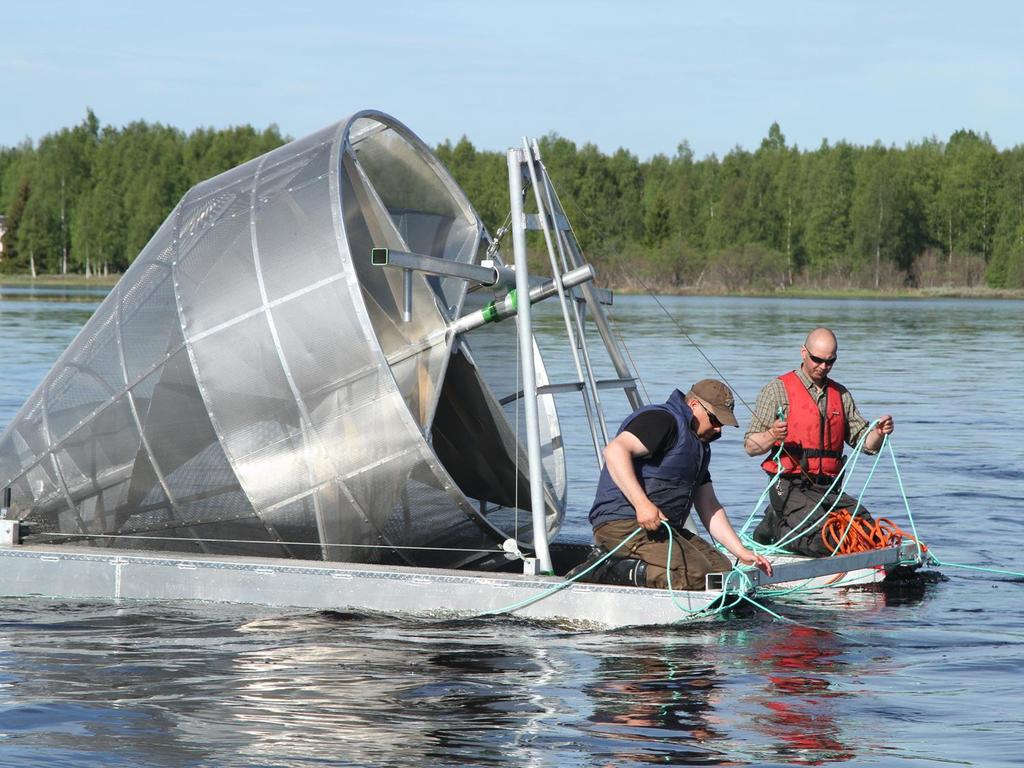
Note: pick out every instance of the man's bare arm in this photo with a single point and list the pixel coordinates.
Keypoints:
(618, 459)
(715, 519)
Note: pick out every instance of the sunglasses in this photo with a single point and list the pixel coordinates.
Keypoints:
(829, 361)
(714, 419)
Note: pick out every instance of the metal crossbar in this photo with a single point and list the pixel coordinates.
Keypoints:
(907, 551)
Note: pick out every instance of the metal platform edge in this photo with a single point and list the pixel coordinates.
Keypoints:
(70, 572)
(808, 568)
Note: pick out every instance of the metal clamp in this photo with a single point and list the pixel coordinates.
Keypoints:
(10, 533)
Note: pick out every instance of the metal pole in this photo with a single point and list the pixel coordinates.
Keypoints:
(407, 294)
(540, 528)
(556, 276)
(591, 379)
(501, 309)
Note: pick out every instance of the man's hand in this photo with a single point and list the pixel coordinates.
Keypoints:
(762, 442)
(779, 430)
(760, 561)
(885, 425)
(649, 516)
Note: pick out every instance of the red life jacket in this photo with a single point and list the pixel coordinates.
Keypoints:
(814, 443)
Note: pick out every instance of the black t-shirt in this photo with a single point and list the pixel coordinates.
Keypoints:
(656, 429)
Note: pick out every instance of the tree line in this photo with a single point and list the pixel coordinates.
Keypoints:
(930, 213)
(87, 199)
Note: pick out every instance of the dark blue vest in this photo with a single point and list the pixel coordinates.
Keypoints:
(668, 480)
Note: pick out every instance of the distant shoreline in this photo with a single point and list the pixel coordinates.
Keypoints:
(942, 292)
(61, 281)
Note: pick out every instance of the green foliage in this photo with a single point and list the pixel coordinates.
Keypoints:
(1006, 268)
(87, 199)
(745, 268)
(931, 213)
(887, 225)
(829, 234)
(482, 175)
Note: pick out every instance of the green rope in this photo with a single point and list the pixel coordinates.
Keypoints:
(777, 458)
(693, 612)
(867, 482)
(982, 568)
(899, 482)
(799, 530)
(847, 468)
(690, 612)
(796, 623)
(741, 592)
(801, 587)
(913, 527)
(764, 494)
(805, 525)
(560, 586)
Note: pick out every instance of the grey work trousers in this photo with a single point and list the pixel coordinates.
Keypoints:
(791, 505)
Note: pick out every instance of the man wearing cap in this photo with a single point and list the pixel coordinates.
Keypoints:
(811, 416)
(656, 469)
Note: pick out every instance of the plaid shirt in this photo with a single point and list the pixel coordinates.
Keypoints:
(773, 395)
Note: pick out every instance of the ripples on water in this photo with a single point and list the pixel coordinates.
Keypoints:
(912, 679)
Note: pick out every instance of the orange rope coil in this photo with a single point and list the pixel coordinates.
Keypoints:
(863, 535)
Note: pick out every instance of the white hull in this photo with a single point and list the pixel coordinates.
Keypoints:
(859, 577)
(79, 572)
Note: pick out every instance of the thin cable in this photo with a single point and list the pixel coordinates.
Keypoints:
(695, 345)
(671, 317)
(1001, 571)
(492, 249)
(518, 405)
(622, 340)
(261, 541)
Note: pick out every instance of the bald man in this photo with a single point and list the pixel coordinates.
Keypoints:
(812, 416)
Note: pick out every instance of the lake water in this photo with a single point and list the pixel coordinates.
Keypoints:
(921, 680)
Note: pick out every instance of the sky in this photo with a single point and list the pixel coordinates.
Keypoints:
(645, 76)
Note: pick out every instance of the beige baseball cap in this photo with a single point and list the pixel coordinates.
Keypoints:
(717, 398)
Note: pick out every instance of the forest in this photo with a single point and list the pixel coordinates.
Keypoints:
(84, 200)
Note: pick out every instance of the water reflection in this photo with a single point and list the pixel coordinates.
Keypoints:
(95, 684)
(802, 717)
(353, 688)
(53, 292)
(655, 704)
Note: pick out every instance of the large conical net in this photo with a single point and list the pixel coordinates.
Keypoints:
(250, 386)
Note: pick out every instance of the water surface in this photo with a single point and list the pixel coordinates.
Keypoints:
(915, 680)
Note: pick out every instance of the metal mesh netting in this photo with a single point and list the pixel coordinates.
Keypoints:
(250, 387)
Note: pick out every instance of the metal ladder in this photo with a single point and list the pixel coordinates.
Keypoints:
(565, 255)
(571, 277)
